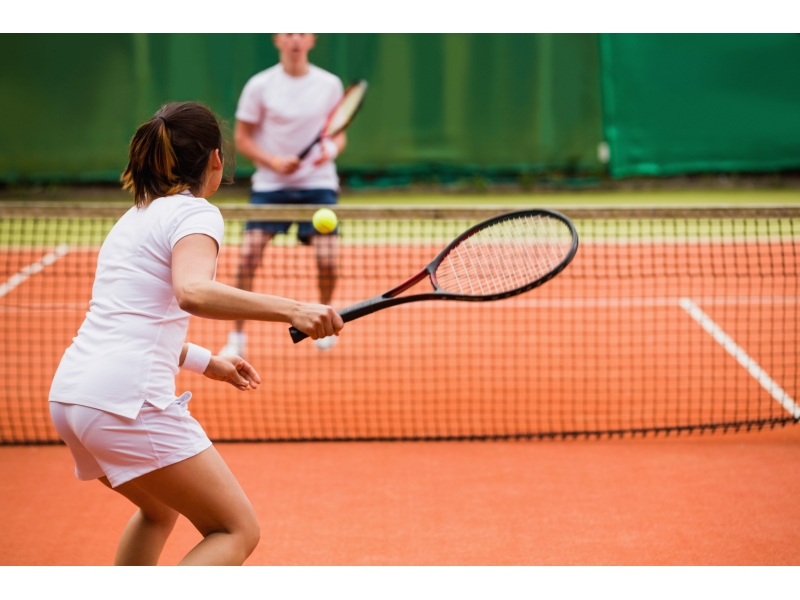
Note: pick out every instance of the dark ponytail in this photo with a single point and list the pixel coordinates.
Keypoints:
(169, 153)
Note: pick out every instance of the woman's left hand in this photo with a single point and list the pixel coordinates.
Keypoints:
(233, 369)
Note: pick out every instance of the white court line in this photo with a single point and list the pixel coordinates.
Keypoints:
(33, 268)
(524, 301)
(47, 308)
(741, 356)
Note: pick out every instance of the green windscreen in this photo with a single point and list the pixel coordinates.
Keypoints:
(700, 103)
(436, 102)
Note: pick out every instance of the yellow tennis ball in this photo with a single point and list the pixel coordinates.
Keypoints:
(325, 220)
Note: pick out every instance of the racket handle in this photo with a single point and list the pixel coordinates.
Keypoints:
(348, 314)
(305, 152)
(362, 309)
(297, 335)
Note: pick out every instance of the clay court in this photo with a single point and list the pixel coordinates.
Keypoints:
(640, 408)
(700, 500)
(598, 420)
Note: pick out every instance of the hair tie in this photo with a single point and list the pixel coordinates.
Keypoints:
(162, 118)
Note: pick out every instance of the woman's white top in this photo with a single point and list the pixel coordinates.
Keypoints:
(128, 348)
(289, 112)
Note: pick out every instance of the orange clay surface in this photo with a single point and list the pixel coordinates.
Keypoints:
(697, 500)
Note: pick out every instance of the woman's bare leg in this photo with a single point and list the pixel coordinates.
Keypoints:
(204, 490)
(147, 531)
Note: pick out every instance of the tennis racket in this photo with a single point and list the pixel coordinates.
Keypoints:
(342, 114)
(498, 258)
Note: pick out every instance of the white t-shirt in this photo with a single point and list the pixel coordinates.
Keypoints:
(289, 113)
(128, 348)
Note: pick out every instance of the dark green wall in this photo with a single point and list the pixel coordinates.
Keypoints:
(70, 103)
(700, 103)
(438, 103)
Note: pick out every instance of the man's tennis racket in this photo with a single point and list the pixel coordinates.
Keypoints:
(342, 114)
(501, 257)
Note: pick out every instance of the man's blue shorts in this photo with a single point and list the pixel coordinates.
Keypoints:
(306, 229)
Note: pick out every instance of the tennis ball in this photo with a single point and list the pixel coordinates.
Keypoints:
(325, 220)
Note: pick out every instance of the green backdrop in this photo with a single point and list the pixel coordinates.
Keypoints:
(436, 104)
(441, 105)
(699, 103)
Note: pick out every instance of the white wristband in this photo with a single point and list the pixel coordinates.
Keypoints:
(197, 359)
(331, 147)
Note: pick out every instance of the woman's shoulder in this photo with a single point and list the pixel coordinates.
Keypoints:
(180, 206)
(186, 202)
(184, 198)
(194, 215)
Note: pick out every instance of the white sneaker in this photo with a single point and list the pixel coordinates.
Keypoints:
(236, 344)
(326, 343)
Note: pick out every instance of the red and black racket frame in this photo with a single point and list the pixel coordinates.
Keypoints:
(392, 298)
(324, 133)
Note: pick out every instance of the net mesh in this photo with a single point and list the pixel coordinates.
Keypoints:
(505, 256)
(666, 320)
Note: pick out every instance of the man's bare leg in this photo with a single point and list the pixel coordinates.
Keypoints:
(252, 252)
(327, 251)
(253, 244)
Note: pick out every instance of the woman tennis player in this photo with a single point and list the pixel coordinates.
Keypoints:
(113, 397)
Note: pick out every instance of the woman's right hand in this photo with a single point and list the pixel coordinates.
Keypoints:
(285, 165)
(317, 320)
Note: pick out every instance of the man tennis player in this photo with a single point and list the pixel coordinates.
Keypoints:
(280, 111)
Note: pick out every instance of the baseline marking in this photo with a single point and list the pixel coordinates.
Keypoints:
(519, 302)
(33, 268)
(741, 356)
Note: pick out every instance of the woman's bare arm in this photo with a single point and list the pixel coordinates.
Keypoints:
(193, 263)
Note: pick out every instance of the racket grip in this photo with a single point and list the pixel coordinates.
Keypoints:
(367, 307)
(305, 152)
(348, 314)
(297, 335)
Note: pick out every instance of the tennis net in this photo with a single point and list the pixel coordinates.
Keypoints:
(667, 320)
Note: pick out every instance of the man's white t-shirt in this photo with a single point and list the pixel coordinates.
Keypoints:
(128, 348)
(289, 113)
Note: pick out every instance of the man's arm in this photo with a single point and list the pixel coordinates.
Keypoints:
(247, 147)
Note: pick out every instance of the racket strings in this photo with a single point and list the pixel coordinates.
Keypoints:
(505, 256)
